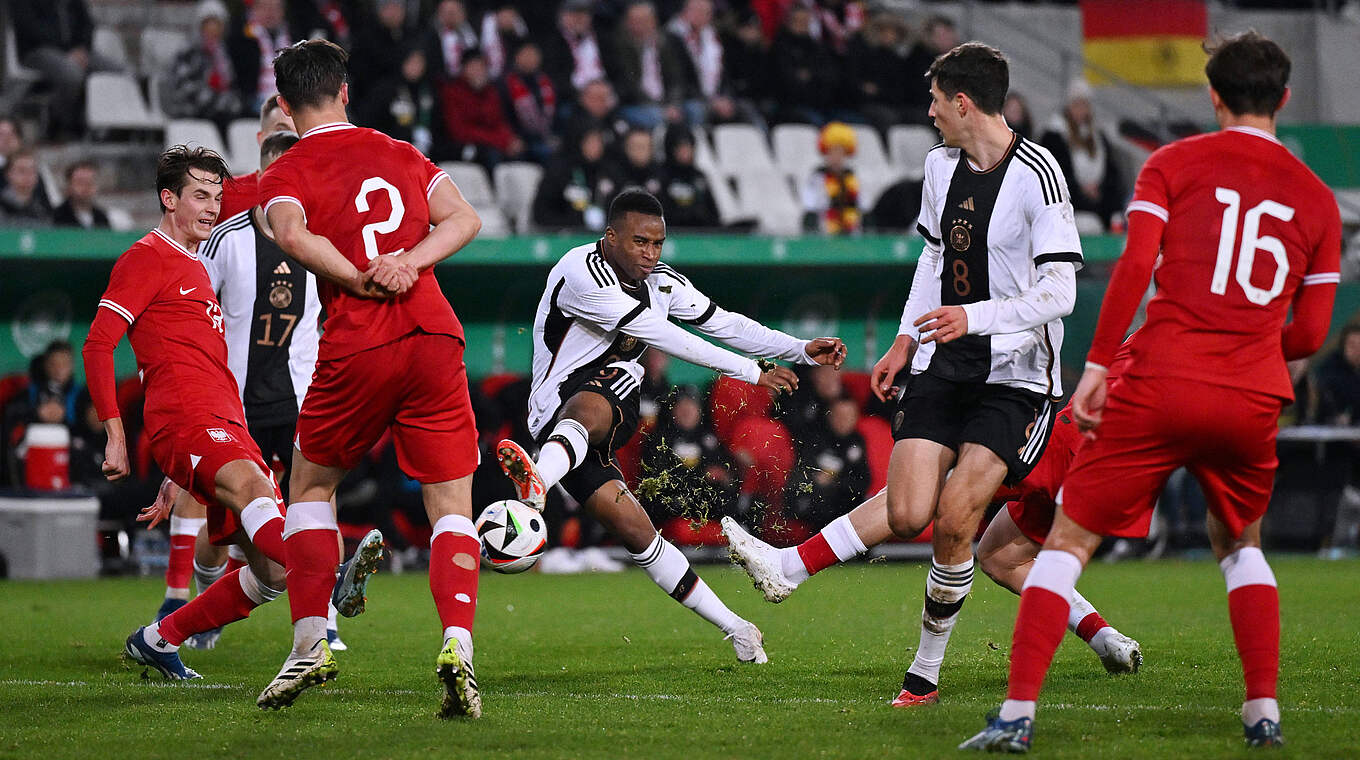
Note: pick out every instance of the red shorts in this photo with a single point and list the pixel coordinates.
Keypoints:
(1151, 426)
(191, 453)
(1032, 503)
(416, 385)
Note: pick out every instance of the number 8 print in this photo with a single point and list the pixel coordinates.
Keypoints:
(388, 225)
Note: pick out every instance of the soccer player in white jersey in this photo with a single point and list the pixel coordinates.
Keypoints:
(604, 304)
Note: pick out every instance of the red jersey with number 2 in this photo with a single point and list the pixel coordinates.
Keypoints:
(1247, 224)
(369, 195)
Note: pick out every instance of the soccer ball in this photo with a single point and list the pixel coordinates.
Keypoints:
(513, 536)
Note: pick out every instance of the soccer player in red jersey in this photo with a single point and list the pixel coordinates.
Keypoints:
(160, 295)
(243, 191)
(356, 207)
(1246, 233)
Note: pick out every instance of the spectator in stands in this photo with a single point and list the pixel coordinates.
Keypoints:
(804, 72)
(332, 20)
(572, 53)
(831, 193)
(473, 116)
(832, 469)
(646, 69)
(1016, 110)
(637, 167)
(575, 188)
(597, 108)
(692, 470)
(1084, 154)
(49, 398)
(54, 37)
(1337, 381)
(531, 102)
(836, 22)
(503, 32)
(898, 207)
(202, 82)
(379, 49)
(262, 34)
(685, 192)
(746, 61)
(450, 38)
(79, 208)
(403, 106)
(938, 36)
(11, 142)
(877, 58)
(23, 202)
(805, 411)
(701, 57)
(655, 394)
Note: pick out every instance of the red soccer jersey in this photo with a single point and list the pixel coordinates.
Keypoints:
(369, 195)
(1246, 225)
(174, 324)
(239, 194)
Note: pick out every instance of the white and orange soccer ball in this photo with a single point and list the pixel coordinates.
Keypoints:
(513, 536)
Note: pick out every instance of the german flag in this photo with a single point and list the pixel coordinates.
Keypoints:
(1147, 42)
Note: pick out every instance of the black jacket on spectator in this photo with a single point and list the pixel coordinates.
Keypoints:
(1337, 384)
(746, 67)
(570, 186)
(625, 174)
(687, 198)
(335, 20)
(805, 73)
(65, 216)
(61, 24)
(874, 76)
(1111, 198)
(624, 66)
(378, 55)
(832, 473)
(36, 212)
(683, 463)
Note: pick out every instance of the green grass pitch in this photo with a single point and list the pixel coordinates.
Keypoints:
(608, 666)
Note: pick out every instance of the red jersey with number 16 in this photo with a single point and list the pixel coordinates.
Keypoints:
(1246, 225)
(369, 195)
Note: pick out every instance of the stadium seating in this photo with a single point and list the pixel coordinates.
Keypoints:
(108, 43)
(241, 144)
(765, 195)
(114, 101)
(516, 183)
(908, 145)
(157, 48)
(768, 446)
(731, 399)
(795, 150)
(869, 152)
(471, 179)
(878, 446)
(194, 132)
(741, 149)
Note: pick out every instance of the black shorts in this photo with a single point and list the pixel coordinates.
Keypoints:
(1011, 422)
(275, 440)
(600, 466)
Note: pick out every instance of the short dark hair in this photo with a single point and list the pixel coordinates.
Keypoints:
(270, 104)
(83, 163)
(172, 170)
(274, 145)
(1248, 71)
(310, 72)
(633, 199)
(976, 70)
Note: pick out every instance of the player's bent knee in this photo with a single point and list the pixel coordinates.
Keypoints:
(903, 522)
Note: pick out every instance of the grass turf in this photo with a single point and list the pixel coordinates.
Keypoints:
(607, 666)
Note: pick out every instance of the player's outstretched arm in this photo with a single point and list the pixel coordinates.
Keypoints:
(315, 252)
(1128, 283)
(651, 328)
(455, 225)
(754, 339)
(106, 330)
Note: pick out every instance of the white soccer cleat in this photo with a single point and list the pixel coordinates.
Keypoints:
(759, 560)
(749, 643)
(298, 674)
(1119, 653)
(454, 668)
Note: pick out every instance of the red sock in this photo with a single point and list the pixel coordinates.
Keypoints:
(816, 554)
(269, 540)
(1090, 626)
(449, 580)
(235, 564)
(1039, 630)
(1255, 613)
(221, 603)
(181, 566)
(312, 557)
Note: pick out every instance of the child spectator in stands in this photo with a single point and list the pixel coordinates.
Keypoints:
(805, 73)
(832, 469)
(450, 38)
(380, 49)
(202, 82)
(503, 32)
(23, 202)
(403, 106)
(647, 71)
(1016, 110)
(79, 208)
(263, 33)
(831, 193)
(637, 167)
(54, 37)
(685, 193)
(474, 119)
(597, 108)
(571, 54)
(575, 188)
(1083, 152)
(877, 58)
(692, 470)
(531, 102)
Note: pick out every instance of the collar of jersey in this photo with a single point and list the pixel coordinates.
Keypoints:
(334, 126)
(175, 243)
(1254, 131)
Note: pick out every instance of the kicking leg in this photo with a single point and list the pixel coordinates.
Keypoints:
(585, 420)
(454, 552)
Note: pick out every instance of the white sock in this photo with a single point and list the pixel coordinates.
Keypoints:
(152, 636)
(669, 569)
(844, 541)
(946, 588)
(207, 576)
(791, 563)
(464, 638)
(555, 461)
(1012, 709)
(237, 553)
(259, 512)
(331, 612)
(1253, 710)
(307, 632)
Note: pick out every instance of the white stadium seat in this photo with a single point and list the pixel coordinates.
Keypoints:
(704, 160)
(120, 219)
(194, 132)
(516, 184)
(908, 144)
(795, 150)
(741, 148)
(157, 48)
(767, 197)
(869, 154)
(108, 44)
(472, 181)
(114, 101)
(245, 151)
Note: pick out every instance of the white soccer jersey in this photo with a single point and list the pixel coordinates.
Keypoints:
(1003, 245)
(270, 311)
(588, 318)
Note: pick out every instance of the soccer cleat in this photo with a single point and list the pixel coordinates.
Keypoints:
(168, 606)
(519, 467)
(759, 560)
(460, 683)
(1121, 654)
(299, 674)
(334, 640)
(348, 595)
(749, 643)
(205, 640)
(916, 691)
(1266, 733)
(167, 664)
(1003, 735)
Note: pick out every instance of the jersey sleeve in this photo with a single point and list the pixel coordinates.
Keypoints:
(1316, 295)
(429, 174)
(1048, 205)
(739, 331)
(1151, 192)
(591, 293)
(131, 287)
(279, 184)
(928, 221)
